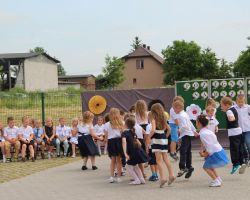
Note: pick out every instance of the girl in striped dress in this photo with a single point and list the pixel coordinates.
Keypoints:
(159, 143)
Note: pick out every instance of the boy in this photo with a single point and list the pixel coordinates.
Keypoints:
(38, 137)
(212, 121)
(187, 131)
(11, 139)
(62, 134)
(235, 135)
(243, 110)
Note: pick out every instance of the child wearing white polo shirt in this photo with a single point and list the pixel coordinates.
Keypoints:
(2, 142)
(212, 121)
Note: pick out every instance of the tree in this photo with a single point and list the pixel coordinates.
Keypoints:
(136, 43)
(225, 69)
(60, 69)
(112, 73)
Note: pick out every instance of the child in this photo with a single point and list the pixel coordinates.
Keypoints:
(38, 137)
(74, 136)
(214, 154)
(11, 139)
(152, 159)
(2, 142)
(99, 129)
(49, 136)
(235, 135)
(173, 123)
(86, 144)
(210, 102)
(212, 121)
(141, 113)
(62, 134)
(112, 130)
(26, 136)
(187, 131)
(160, 143)
(133, 152)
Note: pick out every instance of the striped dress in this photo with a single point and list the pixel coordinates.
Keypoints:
(159, 141)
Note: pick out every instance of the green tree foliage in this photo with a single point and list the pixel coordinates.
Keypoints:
(112, 73)
(60, 69)
(136, 43)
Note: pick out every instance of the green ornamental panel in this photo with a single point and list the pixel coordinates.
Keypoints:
(225, 87)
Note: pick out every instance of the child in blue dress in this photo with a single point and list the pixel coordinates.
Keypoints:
(214, 154)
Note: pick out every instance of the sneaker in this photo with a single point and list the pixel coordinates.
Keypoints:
(33, 159)
(151, 178)
(182, 172)
(174, 156)
(189, 173)
(135, 182)
(58, 156)
(84, 167)
(42, 155)
(73, 156)
(94, 168)
(4, 160)
(111, 180)
(219, 179)
(118, 180)
(234, 169)
(49, 156)
(242, 169)
(215, 183)
(156, 178)
(23, 159)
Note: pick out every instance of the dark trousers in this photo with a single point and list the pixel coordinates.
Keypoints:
(185, 153)
(236, 149)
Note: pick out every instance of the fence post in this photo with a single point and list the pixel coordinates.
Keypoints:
(43, 109)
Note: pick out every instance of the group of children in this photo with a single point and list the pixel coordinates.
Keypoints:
(140, 138)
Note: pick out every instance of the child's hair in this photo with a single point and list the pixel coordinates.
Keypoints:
(141, 109)
(154, 102)
(150, 117)
(178, 104)
(106, 117)
(130, 124)
(210, 109)
(210, 102)
(115, 119)
(203, 120)
(100, 117)
(122, 112)
(24, 118)
(227, 101)
(87, 117)
(61, 118)
(74, 120)
(159, 116)
(9, 119)
(241, 97)
(178, 98)
(128, 115)
(132, 108)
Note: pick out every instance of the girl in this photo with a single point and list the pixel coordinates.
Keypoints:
(214, 154)
(210, 102)
(112, 131)
(99, 129)
(133, 152)
(86, 143)
(2, 142)
(49, 136)
(38, 137)
(74, 136)
(26, 136)
(159, 142)
(141, 113)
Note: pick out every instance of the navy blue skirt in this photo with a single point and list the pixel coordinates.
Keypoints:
(87, 146)
(152, 158)
(139, 156)
(115, 147)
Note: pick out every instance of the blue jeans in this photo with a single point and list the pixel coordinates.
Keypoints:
(65, 146)
(246, 137)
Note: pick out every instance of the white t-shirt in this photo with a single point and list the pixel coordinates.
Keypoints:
(244, 117)
(63, 131)
(10, 133)
(173, 116)
(99, 129)
(139, 131)
(185, 125)
(212, 124)
(25, 132)
(209, 140)
(233, 131)
(138, 119)
(112, 133)
(85, 128)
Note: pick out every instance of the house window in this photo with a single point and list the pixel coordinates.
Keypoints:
(134, 80)
(140, 64)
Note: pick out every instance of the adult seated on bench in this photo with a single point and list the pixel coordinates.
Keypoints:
(11, 139)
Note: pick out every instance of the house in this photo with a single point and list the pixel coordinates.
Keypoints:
(32, 71)
(143, 69)
(85, 81)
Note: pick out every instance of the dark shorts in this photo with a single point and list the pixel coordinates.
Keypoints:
(53, 143)
(32, 142)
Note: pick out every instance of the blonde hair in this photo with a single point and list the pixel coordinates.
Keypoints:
(87, 117)
(178, 98)
(24, 118)
(178, 104)
(115, 119)
(210, 109)
(227, 101)
(128, 115)
(75, 119)
(241, 97)
(159, 116)
(211, 102)
(141, 109)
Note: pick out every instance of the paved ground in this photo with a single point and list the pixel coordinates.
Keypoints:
(69, 182)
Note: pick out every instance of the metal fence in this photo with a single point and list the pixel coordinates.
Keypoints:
(40, 106)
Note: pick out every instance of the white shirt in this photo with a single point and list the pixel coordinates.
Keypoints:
(25, 132)
(185, 125)
(10, 133)
(209, 140)
(244, 117)
(85, 128)
(62, 131)
(233, 131)
(212, 124)
(139, 131)
(99, 129)
(112, 133)
(138, 119)
(173, 116)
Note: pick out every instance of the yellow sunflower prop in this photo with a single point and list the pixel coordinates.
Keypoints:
(97, 104)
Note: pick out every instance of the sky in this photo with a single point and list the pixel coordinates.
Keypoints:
(80, 33)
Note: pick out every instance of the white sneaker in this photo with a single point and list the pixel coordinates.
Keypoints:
(111, 180)
(49, 156)
(118, 180)
(219, 179)
(215, 183)
(242, 169)
(4, 159)
(73, 156)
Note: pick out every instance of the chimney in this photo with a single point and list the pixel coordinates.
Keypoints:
(148, 47)
(144, 45)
